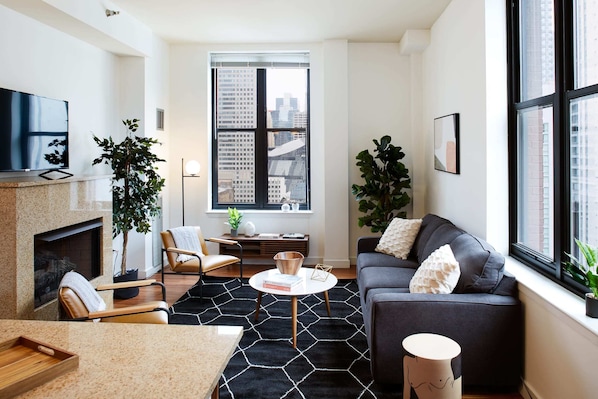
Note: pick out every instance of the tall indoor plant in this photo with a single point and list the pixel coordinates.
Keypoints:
(382, 195)
(135, 184)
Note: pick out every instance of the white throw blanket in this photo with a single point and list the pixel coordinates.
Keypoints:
(185, 237)
(89, 296)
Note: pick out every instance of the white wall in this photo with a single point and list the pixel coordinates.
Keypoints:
(379, 104)
(454, 82)
(43, 61)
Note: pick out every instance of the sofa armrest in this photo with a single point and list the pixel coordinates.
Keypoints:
(488, 327)
(367, 244)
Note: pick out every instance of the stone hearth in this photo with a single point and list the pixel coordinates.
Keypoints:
(31, 206)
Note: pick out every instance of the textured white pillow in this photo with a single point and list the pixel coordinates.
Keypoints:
(399, 236)
(438, 274)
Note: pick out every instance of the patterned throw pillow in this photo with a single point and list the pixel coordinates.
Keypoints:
(438, 274)
(399, 236)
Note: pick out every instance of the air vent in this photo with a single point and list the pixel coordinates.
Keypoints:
(159, 119)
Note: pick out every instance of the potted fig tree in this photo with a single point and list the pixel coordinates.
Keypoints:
(135, 188)
(586, 274)
(383, 192)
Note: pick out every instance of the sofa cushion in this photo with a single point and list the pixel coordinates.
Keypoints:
(384, 277)
(481, 266)
(438, 274)
(376, 259)
(430, 223)
(444, 234)
(398, 237)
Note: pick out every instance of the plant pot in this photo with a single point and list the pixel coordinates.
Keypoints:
(591, 305)
(126, 293)
(233, 233)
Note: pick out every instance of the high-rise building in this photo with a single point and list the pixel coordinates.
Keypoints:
(236, 98)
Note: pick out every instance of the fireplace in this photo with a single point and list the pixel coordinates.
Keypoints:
(44, 213)
(57, 252)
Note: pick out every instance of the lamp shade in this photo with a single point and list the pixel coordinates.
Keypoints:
(192, 168)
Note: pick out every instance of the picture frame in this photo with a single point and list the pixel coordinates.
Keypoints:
(446, 144)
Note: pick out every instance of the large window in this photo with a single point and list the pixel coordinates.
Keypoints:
(260, 144)
(553, 131)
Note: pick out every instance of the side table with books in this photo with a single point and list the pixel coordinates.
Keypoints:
(293, 286)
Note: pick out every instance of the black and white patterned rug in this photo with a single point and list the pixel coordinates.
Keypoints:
(331, 359)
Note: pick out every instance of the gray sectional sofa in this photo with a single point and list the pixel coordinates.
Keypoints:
(483, 314)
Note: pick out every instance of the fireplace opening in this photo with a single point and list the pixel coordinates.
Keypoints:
(56, 252)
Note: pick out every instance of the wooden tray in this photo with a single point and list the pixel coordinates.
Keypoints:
(26, 364)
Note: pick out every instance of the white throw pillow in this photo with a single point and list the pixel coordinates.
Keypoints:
(399, 236)
(438, 274)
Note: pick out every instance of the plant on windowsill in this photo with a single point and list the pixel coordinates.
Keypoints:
(234, 220)
(135, 188)
(386, 178)
(586, 274)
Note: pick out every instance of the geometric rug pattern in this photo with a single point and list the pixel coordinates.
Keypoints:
(331, 359)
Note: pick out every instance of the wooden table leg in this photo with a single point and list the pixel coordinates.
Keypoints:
(258, 304)
(327, 302)
(215, 393)
(294, 321)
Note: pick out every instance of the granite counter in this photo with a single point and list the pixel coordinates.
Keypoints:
(132, 360)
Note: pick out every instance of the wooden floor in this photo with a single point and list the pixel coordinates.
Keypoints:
(177, 285)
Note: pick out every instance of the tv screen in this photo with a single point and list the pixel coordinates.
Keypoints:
(33, 132)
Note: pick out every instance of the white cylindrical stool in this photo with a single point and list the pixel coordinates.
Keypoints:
(432, 367)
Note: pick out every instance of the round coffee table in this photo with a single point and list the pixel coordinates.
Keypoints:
(306, 287)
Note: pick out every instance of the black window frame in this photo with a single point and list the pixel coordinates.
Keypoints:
(564, 93)
(261, 146)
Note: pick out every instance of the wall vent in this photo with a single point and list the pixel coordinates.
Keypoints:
(159, 119)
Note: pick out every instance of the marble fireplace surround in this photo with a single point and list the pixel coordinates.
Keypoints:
(33, 205)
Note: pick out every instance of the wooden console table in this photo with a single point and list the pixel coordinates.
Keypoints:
(264, 247)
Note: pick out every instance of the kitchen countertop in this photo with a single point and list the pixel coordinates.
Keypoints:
(131, 360)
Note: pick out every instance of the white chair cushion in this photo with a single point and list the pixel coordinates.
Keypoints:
(438, 274)
(185, 237)
(399, 236)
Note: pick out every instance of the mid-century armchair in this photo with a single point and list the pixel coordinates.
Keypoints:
(81, 302)
(184, 259)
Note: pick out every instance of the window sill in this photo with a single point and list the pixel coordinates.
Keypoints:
(557, 300)
(260, 212)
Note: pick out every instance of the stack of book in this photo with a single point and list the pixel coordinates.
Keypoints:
(283, 282)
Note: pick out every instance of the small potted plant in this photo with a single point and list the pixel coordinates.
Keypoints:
(586, 274)
(234, 220)
(135, 188)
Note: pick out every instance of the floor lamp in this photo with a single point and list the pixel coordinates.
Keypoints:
(191, 169)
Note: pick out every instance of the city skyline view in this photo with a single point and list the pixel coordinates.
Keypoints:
(286, 135)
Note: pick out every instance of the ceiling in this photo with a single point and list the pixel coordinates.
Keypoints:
(282, 21)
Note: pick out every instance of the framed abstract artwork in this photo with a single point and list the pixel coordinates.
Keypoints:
(446, 143)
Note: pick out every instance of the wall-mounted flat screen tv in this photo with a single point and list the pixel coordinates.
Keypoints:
(33, 132)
